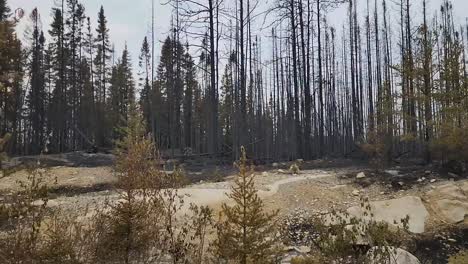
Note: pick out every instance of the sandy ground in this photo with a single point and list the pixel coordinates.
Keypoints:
(61, 176)
(312, 190)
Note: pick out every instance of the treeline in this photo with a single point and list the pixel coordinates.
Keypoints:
(386, 83)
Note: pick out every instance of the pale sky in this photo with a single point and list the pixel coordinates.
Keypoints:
(130, 20)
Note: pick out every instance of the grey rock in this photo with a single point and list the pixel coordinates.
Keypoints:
(391, 255)
(392, 172)
(393, 211)
(360, 175)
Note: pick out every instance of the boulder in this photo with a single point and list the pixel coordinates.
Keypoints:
(452, 210)
(391, 255)
(360, 175)
(393, 211)
(448, 191)
(450, 201)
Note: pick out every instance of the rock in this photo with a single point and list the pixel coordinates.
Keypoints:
(453, 211)
(449, 191)
(453, 175)
(360, 175)
(300, 160)
(302, 249)
(265, 173)
(275, 165)
(450, 201)
(433, 180)
(356, 192)
(281, 171)
(391, 255)
(393, 211)
(50, 203)
(464, 186)
(427, 172)
(392, 172)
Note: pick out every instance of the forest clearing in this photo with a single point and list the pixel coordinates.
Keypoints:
(233, 132)
(435, 200)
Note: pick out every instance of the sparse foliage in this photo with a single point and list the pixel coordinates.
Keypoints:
(245, 232)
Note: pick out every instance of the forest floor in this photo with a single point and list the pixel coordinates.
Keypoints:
(80, 182)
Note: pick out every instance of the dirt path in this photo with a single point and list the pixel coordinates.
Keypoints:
(203, 194)
(214, 197)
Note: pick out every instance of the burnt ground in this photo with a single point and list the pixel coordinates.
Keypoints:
(436, 247)
(405, 177)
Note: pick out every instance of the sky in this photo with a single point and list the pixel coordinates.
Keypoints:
(130, 20)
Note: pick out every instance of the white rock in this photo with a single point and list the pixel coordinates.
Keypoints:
(302, 249)
(265, 173)
(360, 175)
(356, 192)
(433, 180)
(275, 165)
(393, 211)
(391, 255)
(392, 172)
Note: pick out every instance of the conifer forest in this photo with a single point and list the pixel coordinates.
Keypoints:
(280, 81)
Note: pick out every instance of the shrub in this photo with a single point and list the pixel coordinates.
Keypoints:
(452, 146)
(294, 169)
(23, 219)
(145, 225)
(339, 237)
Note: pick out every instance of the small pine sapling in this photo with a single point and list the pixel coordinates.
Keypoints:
(245, 232)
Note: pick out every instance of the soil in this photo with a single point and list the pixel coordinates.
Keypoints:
(81, 181)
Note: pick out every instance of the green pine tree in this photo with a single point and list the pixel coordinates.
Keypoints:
(246, 233)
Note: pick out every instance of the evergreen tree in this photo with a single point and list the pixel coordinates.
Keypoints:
(37, 96)
(145, 85)
(245, 233)
(58, 108)
(4, 10)
(11, 77)
(191, 84)
(122, 94)
(101, 67)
